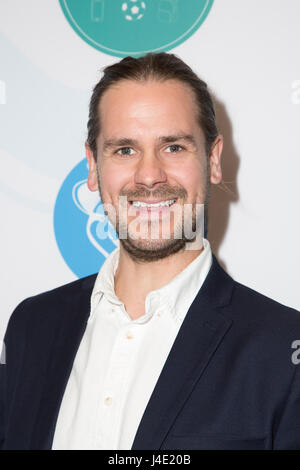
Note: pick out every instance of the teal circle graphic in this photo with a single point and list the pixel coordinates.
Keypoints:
(135, 27)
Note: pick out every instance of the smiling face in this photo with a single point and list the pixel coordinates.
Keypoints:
(151, 149)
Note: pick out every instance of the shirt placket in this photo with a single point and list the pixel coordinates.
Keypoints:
(114, 391)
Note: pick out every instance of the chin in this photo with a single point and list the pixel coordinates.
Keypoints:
(152, 250)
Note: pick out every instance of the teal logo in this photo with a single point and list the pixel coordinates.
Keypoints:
(134, 27)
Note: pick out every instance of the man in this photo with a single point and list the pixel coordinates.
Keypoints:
(161, 349)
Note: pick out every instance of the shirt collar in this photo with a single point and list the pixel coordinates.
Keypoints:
(176, 296)
(105, 281)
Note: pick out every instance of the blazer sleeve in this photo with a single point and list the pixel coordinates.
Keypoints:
(287, 435)
(3, 392)
(11, 353)
(2, 399)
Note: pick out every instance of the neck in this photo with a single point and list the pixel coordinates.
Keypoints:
(134, 280)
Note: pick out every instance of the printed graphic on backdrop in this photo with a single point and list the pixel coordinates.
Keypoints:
(81, 226)
(134, 27)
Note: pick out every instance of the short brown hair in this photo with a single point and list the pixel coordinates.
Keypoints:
(160, 66)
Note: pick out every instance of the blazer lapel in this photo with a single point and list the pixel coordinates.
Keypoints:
(202, 331)
(71, 324)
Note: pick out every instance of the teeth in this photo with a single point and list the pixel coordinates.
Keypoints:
(156, 204)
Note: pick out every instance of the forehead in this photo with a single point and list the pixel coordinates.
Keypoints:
(148, 107)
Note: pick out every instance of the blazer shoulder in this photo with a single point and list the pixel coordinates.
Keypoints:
(263, 307)
(83, 284)
(50, 301)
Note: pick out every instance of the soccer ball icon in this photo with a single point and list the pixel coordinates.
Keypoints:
(133, 9)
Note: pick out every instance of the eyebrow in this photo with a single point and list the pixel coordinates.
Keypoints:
(189, 139)
(119, 142)
(165, 139)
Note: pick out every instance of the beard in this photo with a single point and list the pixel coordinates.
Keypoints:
(149, 249)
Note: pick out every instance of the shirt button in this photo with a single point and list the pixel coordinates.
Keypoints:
(129, 335)
(108, 401)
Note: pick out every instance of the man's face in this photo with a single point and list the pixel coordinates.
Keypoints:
(151, 149)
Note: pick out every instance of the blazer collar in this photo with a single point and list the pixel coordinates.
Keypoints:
(202, 331)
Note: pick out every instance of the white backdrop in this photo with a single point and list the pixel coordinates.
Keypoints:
(248, 52)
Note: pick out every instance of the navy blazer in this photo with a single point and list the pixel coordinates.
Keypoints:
(229, 381)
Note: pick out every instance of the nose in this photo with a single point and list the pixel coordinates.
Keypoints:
(150, 171)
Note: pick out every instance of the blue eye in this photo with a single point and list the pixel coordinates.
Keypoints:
(125, 151)
(174, 148)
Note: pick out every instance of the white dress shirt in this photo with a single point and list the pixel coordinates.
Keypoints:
(119, 359)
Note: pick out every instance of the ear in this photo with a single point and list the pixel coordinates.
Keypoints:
(92, 178)
(215, 160)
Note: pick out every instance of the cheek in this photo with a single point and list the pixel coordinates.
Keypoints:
(112, 180)
(192, 178)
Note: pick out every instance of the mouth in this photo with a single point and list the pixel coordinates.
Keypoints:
(148, 207)
(153, 204)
